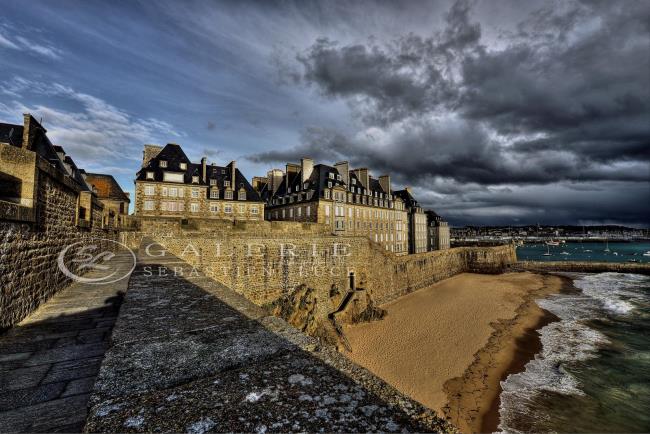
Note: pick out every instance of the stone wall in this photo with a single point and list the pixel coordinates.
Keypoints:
(31, 239)
(584, 267)
(266, 260)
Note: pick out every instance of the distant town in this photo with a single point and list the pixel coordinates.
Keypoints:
(468, 235)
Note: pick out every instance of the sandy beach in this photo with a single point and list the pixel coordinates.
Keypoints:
(448, 346)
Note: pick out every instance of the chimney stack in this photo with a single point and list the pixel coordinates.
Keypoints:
(344, 170)
(204, 170)
(233, 172)
(384, 181)
(292, 169)
(363, 176)
(274, 179)
(306, 168)
(150, 151)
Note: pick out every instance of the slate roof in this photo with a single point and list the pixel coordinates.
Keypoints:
(107, 187)
(41, 145)
(318, 181)
(173, 154)
(409, 200)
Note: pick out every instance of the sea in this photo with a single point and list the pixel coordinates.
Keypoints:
(593, 372)
(587, 251)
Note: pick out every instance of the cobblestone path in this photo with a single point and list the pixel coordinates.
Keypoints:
(49, 361)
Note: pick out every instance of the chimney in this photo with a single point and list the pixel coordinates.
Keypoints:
(292, 169)
(150, 151)
(204, 171)
(384, 181)
(306, 168)
(31, 126)
(344, 170)
(257, 182)
(362, 174)
(233, 173)
(274, 179)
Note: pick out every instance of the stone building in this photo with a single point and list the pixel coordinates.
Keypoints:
(46, 205)
(350, 202)
(168, 184)
(110, 194)
(417, 222)
(437, 231)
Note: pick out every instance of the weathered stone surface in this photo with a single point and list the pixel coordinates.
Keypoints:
(241, 370)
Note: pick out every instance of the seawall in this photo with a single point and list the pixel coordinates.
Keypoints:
(583, 267)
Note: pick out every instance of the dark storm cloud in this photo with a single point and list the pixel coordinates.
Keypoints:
(562, 97)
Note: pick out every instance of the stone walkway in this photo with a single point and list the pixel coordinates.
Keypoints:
(49, 361)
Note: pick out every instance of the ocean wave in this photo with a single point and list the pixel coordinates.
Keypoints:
(619, 293)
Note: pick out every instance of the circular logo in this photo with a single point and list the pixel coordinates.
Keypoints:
(97, 261)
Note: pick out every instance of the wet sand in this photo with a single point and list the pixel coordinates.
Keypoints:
(448, 346)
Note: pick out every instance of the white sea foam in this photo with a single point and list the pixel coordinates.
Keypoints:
(566, 342)
(617, 292)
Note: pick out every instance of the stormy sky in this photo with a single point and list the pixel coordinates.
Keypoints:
(494, 112)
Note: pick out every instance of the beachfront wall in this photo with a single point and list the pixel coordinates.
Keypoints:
(267, 260)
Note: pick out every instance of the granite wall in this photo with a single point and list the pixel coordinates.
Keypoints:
(32, 233)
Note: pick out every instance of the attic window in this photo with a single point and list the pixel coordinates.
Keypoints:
(149, 175)
(331, 175)
(354, 181)
(338, 177)
(195, 179)
(183, 166)
(163, 163)
(226, 183)
(241, 195)
(213, 182)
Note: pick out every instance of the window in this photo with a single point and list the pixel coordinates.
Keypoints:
(331, 175)
(338, 177)
(329, 184)
(299, 211)
(173, 191)
(194, 207)
(327, 211)
(242, 209)
(149, 190)
(148, 205)
(213, 182)
(241, 195)
(195, 179)
(149, 175)
(214, 193)
(290, 212)
(308, 211)
(354, 181)
(173, 177)
(163, 163)
(183, 166)
(226, 183)
(254, 210)
(228, 194)
(164, 191)
(214, 207)
(283, 213)
(195, 193)
(227, 209)
(181, 192)
(327, 194)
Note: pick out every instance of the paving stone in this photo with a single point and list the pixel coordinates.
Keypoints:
(79, 386)
(73, 369)
(46, 415)
(22, 378)
(10, 400)
(72, 352)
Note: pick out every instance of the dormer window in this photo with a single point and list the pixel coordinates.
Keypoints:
(213, 182)
(149, 175)
(228, 194)
(354, 181)
(195, 179)
(214, 193)
(241, 195)
(183, 166)
(163, 163)
(338, 177)
(329, 184)
(226, 183)
(331, 175)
